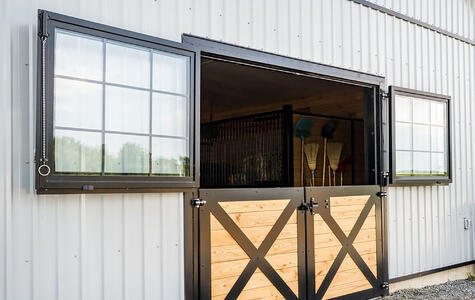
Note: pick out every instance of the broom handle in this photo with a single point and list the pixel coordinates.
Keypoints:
(301, 162)
(334, 178)
(341, 178)
(324, 159)
(313, 177)
(329, 176)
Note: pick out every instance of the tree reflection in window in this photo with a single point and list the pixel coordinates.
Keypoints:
(74, 156)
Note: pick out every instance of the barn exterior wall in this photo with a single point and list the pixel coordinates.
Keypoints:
(129, 246)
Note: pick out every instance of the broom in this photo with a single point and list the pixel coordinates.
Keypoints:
(334, 153)
(311, 152)
(327, 132)
(303, 129)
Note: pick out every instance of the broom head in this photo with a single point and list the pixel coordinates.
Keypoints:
(334, 153)
(311, 152)
(328, 129)
(303, 127)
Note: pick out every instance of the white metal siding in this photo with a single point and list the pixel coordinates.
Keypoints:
(130, 246)
(455, 16)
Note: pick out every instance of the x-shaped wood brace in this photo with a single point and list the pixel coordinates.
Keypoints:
(347, 247)
(256, 255)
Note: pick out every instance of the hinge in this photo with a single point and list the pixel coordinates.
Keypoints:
(383, 94)
(386, 176)
(43, 33)
(381, 194)
(385, 285)
(197, 202)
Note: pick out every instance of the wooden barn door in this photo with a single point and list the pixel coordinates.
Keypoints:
(252, 244)
(344, 242)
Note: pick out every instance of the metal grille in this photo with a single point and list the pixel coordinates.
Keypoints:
(244, 151)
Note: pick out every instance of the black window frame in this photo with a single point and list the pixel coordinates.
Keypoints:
(48, 22)
(417, 180)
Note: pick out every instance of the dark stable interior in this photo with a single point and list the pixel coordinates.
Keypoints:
(253, 122)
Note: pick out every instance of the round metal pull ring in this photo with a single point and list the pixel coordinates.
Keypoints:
(44, 170)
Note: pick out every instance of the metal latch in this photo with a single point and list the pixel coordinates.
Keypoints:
(197, 202)
(385, 285)
(312, 205)
(381, 194)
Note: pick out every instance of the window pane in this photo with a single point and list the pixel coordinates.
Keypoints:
(127, 65)
(127, 110)
(403, 163)
(421, 163)
(77, 151)
(421, 138)
(170, 72)
(170, 157)
(126, 154)
(421, 111)
(438, 164)
(403, 107)
(437, 138)
(437, 113)
(403, 136)
(169, 115)
(78, 56)
(77, 104)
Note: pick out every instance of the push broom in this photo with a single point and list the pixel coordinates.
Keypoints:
(303, 129)
(334, 153)
(311, 152)
(327, 132)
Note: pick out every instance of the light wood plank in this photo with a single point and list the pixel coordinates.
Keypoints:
(235, 267)
(348, 211)
(329, 239)
(345, 277)
(349, 200)
(252, 206)
(234, 252)
(346, 224)
(321, 268)
(346, 289)
(258, 280)
(330, 253)
(255, 234)
(254, 219)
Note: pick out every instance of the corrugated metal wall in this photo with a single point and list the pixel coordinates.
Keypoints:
(130, 246)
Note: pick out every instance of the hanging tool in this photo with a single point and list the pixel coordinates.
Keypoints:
(327, 132)
(303, 129)
(334, 153)
(311, 152)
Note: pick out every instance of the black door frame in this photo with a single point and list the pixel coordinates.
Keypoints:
(257, 58)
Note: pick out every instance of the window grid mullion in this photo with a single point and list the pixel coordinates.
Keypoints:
(150, 163)
(412, 136)
(430, 138)
(103, 134)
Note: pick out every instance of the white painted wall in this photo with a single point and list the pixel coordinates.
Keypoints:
(67, 247)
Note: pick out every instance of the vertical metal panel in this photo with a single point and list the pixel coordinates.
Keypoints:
(129, 246)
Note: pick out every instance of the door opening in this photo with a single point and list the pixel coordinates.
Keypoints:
(263, 127)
